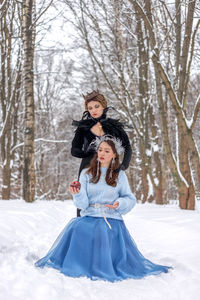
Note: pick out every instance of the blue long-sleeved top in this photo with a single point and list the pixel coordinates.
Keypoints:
(102, 193)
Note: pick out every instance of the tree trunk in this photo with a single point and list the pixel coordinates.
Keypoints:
(6, 165)
(8, 89)
(28, 82)
(178, 38)
(188, 196)
(182, 90)
(143, 103)
(145, 184)
(158, 181)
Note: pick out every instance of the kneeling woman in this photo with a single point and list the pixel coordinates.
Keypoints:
(98, 245)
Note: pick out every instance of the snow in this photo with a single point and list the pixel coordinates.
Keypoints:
(150, 191)
(165, 234)
(156, 180)
(148, 152)
(155, 147)
(188, 122)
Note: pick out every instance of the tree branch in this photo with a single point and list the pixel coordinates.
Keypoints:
(190, 60)
(3, 131)
(34, 23)
(39, 140)
(195, 113)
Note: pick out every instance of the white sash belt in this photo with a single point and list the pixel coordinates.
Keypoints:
(102, 206)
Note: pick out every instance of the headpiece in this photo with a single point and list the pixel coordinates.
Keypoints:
(91, 95)
(117, 142)
(96, 96)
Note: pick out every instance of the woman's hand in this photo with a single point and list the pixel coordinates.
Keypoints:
(113, 206)
(97, 129)
(74, 190)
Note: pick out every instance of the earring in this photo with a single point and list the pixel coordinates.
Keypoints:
(98, 167)
(111, 167)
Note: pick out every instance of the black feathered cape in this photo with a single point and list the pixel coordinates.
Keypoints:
(83, 137)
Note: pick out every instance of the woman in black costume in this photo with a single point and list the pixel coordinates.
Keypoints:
(95, 123)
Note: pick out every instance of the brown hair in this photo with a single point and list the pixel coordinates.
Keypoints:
(100, 98)
(96, 174)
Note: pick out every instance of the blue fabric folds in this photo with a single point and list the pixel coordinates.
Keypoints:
(88, 247)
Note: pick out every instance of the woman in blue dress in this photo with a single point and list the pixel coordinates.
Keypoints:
(98, 245)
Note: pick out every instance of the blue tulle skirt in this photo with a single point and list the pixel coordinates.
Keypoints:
(88, 247)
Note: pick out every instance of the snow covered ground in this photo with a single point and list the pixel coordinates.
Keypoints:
(164, 234)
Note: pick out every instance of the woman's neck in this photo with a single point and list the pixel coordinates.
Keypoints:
(104, 165)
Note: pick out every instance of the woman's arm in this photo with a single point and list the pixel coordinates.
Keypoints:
(126, 198)
(128, 151)
(77, 144)
(81, 199)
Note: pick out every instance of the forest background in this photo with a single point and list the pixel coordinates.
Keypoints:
(142, 55)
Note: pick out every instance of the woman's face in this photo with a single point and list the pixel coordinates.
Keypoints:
(95, 109)
(105, 154)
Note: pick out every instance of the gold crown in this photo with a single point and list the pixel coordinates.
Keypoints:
(91, 95)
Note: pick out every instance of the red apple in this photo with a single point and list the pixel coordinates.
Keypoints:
(76, 184)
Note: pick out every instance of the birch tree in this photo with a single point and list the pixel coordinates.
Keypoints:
(10, 77)
(28, 33)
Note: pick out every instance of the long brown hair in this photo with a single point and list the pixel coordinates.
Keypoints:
(111, 175)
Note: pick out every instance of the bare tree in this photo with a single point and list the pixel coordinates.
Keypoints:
(108, 30)
(187, 155)
(10, 76)
(28, 32)
(141, 55)
(28, 35)
(110, 54)
(53, 118)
